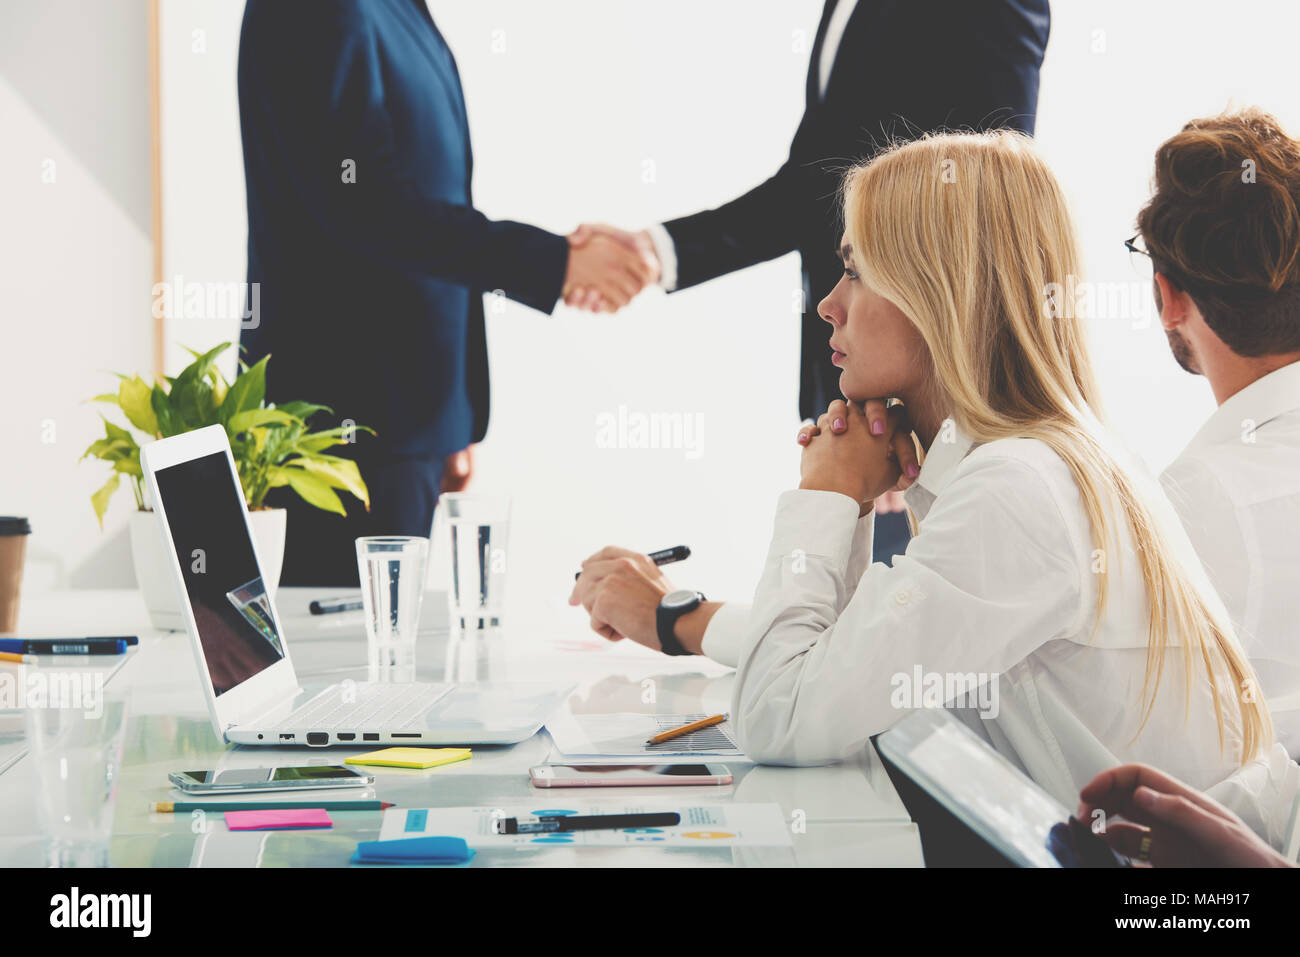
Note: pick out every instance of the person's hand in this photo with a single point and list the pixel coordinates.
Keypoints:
(861, 451)
(589, 297)
(458, 470)
(621, 590)
(607, 267)
(1181, 826)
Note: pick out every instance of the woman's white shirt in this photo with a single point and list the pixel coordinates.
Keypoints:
(996, 596)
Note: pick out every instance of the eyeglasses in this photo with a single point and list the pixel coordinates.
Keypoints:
(1132, 246)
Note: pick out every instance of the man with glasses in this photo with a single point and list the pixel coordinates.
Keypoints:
(1223, 234)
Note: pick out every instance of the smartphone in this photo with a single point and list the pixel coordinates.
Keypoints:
(240, 780)
(628, 775)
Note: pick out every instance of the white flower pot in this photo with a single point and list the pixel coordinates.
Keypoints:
(151, 554)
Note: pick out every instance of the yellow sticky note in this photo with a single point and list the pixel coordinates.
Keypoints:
(411, 757)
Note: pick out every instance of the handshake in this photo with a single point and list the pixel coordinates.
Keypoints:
(608, 267)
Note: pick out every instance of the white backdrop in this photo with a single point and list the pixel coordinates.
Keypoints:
(633, 112)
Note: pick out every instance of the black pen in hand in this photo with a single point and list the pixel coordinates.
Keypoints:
(665, 556)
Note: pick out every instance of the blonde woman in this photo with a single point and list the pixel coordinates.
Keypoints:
(1050, 593)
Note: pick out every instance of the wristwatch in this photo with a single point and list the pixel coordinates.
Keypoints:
(671, 607)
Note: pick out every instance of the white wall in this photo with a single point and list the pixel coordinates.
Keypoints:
(75, 268)
(205, 229)
(570, 104)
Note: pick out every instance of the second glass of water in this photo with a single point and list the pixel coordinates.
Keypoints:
(480, 526)
(391, 568)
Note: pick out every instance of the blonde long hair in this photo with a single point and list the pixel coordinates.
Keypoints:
(971, 237)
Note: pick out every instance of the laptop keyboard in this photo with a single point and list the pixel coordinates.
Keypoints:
(374, 707)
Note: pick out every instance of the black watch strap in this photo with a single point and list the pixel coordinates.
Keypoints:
(666, 621)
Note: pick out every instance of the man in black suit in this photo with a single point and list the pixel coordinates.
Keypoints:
(880, 70)
(371, 260)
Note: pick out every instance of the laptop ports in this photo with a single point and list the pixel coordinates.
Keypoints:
(346, 736)
(286, 737)
(318, 737)
(370, 736)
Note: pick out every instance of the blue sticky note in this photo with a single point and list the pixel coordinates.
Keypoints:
(414, 850)
(415, 819)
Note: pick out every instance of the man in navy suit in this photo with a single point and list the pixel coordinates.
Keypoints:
(371, 259)
(880, 70)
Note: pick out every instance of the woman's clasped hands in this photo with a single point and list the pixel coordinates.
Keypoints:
(862, 450)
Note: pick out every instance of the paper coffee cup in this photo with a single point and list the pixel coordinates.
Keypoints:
(13, 548)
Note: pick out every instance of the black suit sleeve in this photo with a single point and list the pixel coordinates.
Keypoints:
(319, 77)
(904, 67)
(753, 228)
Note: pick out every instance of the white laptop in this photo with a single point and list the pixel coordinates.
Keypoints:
(243, 654)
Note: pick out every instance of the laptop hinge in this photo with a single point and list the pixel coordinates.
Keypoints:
(260, 717)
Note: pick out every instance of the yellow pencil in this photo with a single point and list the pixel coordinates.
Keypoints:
(687, 729)
(20, 659)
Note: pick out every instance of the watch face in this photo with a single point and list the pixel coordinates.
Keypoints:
(679, 598)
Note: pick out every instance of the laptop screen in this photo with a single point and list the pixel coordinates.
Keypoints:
(237, 629)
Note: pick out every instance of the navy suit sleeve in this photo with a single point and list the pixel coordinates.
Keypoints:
(320, 83)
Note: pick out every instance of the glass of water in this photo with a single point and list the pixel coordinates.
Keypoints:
(480, 526)
(391, 568)
(77, 750)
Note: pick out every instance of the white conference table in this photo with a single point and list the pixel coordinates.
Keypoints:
(840, 815)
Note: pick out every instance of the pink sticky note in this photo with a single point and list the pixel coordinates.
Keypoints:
(277, 818)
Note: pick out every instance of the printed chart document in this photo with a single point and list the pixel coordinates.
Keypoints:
(625, 735)
(713, 825)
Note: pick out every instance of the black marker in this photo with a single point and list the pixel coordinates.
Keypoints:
(96, 645)
(331, 605)
(665, 556)
(589, 822)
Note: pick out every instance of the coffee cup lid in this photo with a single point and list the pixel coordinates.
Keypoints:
(13, 525)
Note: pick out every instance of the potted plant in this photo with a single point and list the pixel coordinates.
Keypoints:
(271, 446)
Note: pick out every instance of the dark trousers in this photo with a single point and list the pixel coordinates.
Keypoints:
(320, 547)
(892, 535)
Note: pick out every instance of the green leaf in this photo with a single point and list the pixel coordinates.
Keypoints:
(303, 410)
(129, 466)
(100, 499)
(247, 392)
(253, 418)
(192, 397)
(338, 472)
(134, 397)
(314, 442)
(201, 367)
(105, 397)
(220, 387)
(168, 423)
(192, 403)
(316, 492)
(117, 433)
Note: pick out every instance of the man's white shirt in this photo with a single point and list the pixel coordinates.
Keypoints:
(1237, 489)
